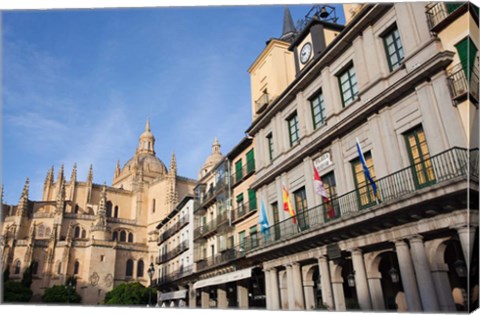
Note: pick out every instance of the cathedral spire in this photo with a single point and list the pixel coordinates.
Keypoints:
(146, 143)
(173, 165)
(101, 215)
(289, 30)
(147, 125)
(90, 174)
(73, 177)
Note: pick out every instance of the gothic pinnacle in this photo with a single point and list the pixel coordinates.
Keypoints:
(73, 178)
(90, 174)
(25, 188)
(173, 165)
(60, 176)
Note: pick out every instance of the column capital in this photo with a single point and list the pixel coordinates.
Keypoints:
(400, 242)
(415, 238)
(462, 228)
(322, 257)
(356, 251)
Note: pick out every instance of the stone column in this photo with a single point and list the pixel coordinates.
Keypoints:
(298, 287)
(242, 294)
(337, 289)
(327, 297)
(274, 294)
(466, 234)
(424, 275)
(205, 298)
(283, 290)
(444, 290)
(309, 293)
(192, 296)
(407, 273)
(268, 288)
(222, 296)
(290, 288)
(361, 284)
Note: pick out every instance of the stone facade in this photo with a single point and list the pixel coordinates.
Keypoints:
(103, 235)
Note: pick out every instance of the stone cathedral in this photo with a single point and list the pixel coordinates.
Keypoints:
(103, 235)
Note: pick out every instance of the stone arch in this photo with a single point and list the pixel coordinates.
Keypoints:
(435, 253)
(336, 273)
(372, 263)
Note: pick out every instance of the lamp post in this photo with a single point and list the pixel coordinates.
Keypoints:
(151, 270)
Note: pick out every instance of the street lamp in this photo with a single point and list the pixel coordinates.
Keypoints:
(351, 279)
(150, 271)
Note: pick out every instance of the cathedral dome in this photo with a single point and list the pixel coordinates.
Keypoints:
(147, 163)
(213, 159)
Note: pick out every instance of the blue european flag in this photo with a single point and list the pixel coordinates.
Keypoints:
(365, 169)
(263, 221)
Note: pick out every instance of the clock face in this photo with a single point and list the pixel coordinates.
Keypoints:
(305, 52)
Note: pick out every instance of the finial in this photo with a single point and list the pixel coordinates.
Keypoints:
(117, 169)
(147, 125)
(73, 178)
(90, 174)
(216, 146)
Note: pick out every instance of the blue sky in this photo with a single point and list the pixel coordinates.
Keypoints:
(78, 86)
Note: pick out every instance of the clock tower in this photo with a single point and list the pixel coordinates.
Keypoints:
(315, 32)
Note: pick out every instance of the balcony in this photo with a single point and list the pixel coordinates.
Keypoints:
(175, 275)
(261, 103)
(441, 14)
(174, 229)
(221, 258)
(205, 230)
(180, 248)
(243, 173)
(223, 222)
(445, 168)
(242, 212)
(460, 87)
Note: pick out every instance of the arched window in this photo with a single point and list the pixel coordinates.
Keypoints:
(18, 266)
(130, 237)
(84, 234)
(140, 268)
(47, 232)
(76, 208)
(153, 205)
(59, 269)
(129, 271)
(34, 267)
(115, 235)
(115, 212)
(76, 267)
(76, 233)
(109, 209)
(41, 230)
(123, 236)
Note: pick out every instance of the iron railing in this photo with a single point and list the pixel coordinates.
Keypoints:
(220, 258)
(175, 228)
(175, 275)
(245, 171)
(459, 84)
(180, 248)
(242, 211)
(439, 11)
(209, 227)
(450, 164)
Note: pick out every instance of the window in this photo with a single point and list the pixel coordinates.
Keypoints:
(250, 161)
(115, 236)
(318, 110)
(123, 236)
(140, 267)
(76, 208)
(394, 48)
(300, 198)
(419, 155)
(293, 130)
(276, 219)
(270, 145)
(240, 204)
(115, 212)
(84, 234)
(59, 268)
(253, 237)
(76, 267)
(241, 240)
(153, 206)
(238, 171)
(41, 230)
(35, 267)
(109, 209)
(348, 86)
(330, 208)
(130, 237)
(252, 200)
(76, 233)
(102, 257)
(47, 232)
(129, 268)
(18, 266)
(365, 193)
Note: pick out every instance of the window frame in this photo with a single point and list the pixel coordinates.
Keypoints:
(321, 111)
(395, 41)
(293, 117)
(354, 95)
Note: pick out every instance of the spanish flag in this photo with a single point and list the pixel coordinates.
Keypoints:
(287, 205)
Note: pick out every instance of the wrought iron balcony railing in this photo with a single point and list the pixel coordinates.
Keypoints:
(243, 173)
(180, 248)
(460, 85)
(451, 164)
(220, 258)
(243, 210)
(437, 12)
(174, 229)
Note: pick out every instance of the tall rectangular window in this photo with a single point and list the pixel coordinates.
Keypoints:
(293, 130)
(253, 237)
(364, 188)
(250, 161)
(238, 171)
(318, 110)
(300, 198)
(252, 200)
(241, 240)
(276, 219)
(270, 145)
(419, 155)
(331, 208)
(348, 86)
(240, 205)
(394, 49)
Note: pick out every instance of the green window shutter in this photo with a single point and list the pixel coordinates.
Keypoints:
(466, 52)
(452, 6)
(250, 161)
(238, 171)
(252, 200)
